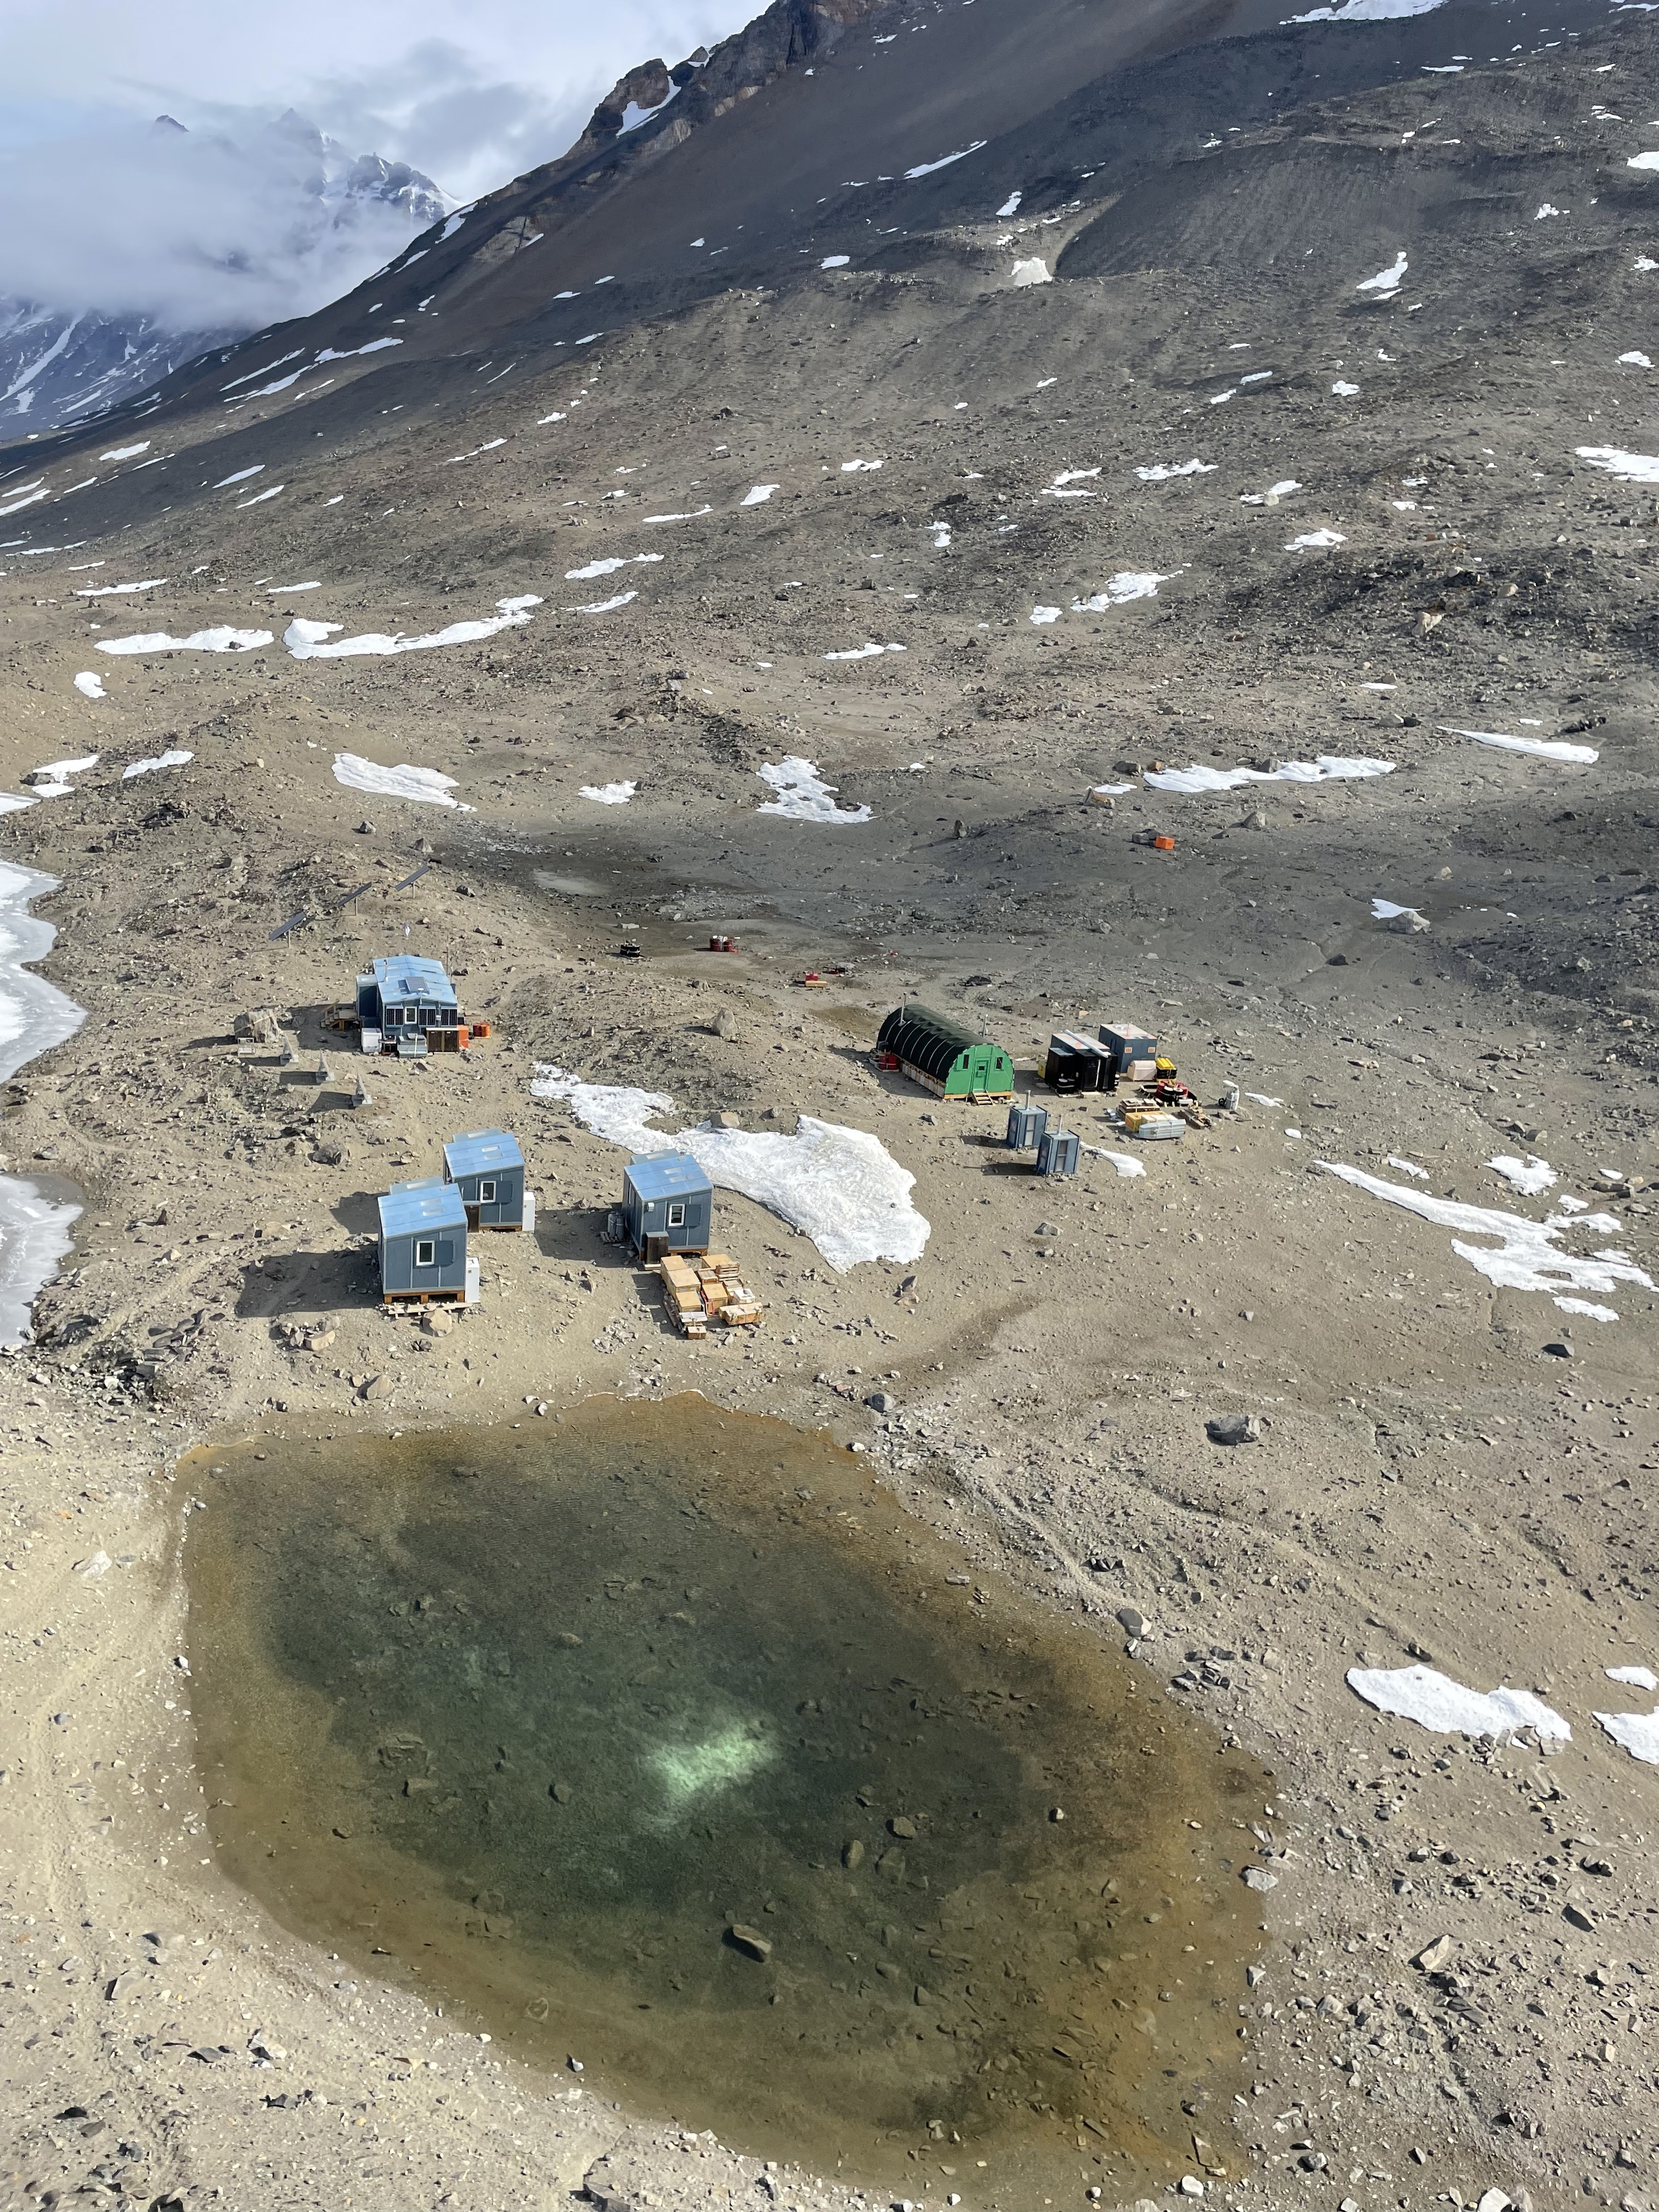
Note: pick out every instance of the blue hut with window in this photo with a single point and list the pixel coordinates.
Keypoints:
(408, 1006)
(423, 1253)
(487, 1167)
(667, 1206)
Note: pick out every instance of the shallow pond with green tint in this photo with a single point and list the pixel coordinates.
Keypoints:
(664, 1738)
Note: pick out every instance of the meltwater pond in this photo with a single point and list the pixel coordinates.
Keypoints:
(663, 1737)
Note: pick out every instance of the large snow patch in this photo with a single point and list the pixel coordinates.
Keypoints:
(840, 1187)
(1434, 1701)
(1525, 1255)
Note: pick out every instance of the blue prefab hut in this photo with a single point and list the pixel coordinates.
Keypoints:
(405, 1005)
(487, 1168)
(423, 1242)
(668, 1205)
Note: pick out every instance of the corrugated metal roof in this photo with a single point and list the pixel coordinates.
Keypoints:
(481, 1152)
(666, 1175)
(417, 1208)
(406, 976)
(931, 1042)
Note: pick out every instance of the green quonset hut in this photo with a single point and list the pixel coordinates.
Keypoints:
(944, 1056)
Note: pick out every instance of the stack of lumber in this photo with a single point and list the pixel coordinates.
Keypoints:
(697, 1291)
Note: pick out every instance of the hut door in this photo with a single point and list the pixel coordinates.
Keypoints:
(471, 1217)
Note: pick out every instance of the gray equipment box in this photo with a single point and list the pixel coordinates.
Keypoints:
(1025, 1126)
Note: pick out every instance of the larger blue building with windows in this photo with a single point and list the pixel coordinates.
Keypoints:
(408, 1006)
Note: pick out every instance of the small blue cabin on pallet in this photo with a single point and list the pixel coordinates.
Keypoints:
(423, 1253)
(403, 1003)
(667, 1206)
(487, 1168)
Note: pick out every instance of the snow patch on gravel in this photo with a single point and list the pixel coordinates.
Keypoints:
(608, 567)
(1368, 11)
(802, 795)
(1531, 1176)
(57, 774)
(1541, 748)
(926, 168)
(1128, 584)
(1525, 1255)
(170, 759)
(1386, 282)
(1638, 1733)
(200, 641)
(839, 1187)
(1328, 768)
(1126, 1164)
(427, 785)
(1630, 468)
(1435, 1702)
(307, 641)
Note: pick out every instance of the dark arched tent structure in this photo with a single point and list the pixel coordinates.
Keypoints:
(944, 1056)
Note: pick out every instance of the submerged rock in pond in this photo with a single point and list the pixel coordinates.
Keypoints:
(562, 1742)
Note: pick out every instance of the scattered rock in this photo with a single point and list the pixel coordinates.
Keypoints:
(1132, 1620)
(748, 1941)
(1234, 1429)
(1434, 1955)
(1255, 1877)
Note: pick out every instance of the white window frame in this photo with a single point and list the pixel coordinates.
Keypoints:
(677, 1213)
(426, 1251)
(486, 1194)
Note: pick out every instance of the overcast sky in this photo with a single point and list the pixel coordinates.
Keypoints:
(224, 229)
(471, 95)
